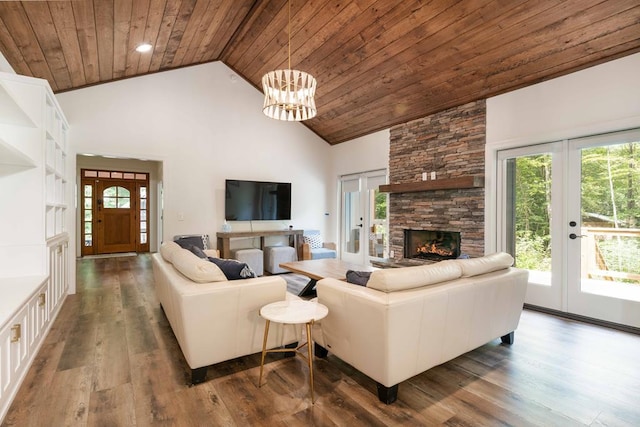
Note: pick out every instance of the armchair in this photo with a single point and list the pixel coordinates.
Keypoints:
(313, 247)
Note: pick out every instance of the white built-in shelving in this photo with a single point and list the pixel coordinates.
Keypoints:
(34, 240)
(56, 131)
(11, 112)
(12, 158)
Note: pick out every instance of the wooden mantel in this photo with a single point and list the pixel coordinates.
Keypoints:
(437, 184)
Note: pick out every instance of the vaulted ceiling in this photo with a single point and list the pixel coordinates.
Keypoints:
(377, 62)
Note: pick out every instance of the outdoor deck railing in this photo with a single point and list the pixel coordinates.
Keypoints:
(611, 253)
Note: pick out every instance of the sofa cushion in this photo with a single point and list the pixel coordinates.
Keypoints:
(167, 249)
(322, 253)
(197, 269)
(485, 264)
(233, 269)
(397, 279)
(212, 252)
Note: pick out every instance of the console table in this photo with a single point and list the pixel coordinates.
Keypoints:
(224, 239)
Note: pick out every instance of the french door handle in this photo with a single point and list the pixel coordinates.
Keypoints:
(573, 236)
(359, 225)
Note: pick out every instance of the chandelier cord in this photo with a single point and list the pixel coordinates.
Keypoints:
(289, 32)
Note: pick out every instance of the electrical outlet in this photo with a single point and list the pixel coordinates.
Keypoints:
(433, 175)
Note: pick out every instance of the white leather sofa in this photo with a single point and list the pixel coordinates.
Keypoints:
(213, 319)
(407, 320)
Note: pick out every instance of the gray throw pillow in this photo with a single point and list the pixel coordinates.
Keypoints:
(201, 241)
(358, 277)
(234, 270)
(198, 252)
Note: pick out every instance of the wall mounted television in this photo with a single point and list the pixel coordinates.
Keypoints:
(257, 200)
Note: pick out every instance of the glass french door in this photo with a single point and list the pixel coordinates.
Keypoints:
(605, 241)
(531, 210)
(364, 226)
(569, 212)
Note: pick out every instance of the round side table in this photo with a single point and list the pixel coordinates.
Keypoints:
(292, 312)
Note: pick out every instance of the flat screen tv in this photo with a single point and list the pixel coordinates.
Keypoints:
(257, 200)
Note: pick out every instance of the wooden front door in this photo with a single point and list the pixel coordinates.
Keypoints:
(116, 216)
(114, 212)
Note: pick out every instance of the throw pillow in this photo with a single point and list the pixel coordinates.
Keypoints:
(201, 241)
(197, 252)
(233, 269)
(313, 240)
(196, 269)
(358, 277)
(168, 249)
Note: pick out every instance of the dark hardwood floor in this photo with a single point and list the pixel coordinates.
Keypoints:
(112, 360)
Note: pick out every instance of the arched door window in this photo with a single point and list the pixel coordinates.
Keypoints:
(116, 197)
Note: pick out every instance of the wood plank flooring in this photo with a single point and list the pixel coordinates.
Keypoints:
(112, 360)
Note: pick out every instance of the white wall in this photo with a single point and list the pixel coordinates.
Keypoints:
(4, 65)
(370, 152)
(367, 153)
(203, 125)
(600, 99)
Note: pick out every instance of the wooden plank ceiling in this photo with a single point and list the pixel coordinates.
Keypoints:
(377, 62)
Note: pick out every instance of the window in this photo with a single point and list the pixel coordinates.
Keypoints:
(116, 198)
(88, 215)
(143, 215)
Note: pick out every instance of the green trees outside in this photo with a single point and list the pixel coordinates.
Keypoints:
(380, 205)
(533, 212)
(610, 189)
(610, 180)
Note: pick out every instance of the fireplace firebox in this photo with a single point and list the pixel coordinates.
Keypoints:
(433, 245)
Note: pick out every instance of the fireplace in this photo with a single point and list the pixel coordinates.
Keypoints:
(433, 245)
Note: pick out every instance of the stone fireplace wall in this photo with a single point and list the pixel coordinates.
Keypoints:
(452, 144)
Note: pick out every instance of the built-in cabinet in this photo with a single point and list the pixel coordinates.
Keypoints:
(34, 235)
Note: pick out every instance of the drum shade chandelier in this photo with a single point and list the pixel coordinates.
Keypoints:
(288, 94)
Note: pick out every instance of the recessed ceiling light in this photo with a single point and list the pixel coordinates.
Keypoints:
(144, 47)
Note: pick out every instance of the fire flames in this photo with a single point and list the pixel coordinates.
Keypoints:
(433, 248)
(431, 245)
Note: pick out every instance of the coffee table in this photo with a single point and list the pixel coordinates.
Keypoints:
(317, 269)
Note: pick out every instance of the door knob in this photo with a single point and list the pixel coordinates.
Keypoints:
(573, 236)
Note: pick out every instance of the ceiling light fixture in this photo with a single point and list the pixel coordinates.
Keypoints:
(288, 94)
(144, 47)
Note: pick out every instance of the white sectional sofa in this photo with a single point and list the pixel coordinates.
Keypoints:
(407, 320)
(214, 319)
